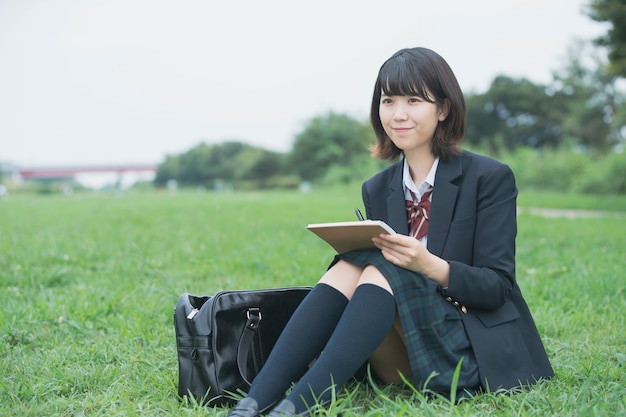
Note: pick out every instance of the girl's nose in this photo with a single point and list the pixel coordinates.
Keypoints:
(399, 112)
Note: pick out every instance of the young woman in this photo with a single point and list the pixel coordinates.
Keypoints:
(442, 291)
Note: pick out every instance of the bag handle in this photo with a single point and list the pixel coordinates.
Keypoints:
(245, 342)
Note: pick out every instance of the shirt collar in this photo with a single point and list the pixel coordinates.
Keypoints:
(410, 185)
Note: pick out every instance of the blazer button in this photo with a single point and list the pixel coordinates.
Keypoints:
(456, 303)
(449, 299)
(464, 310)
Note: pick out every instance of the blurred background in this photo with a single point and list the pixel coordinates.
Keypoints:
(147, 94)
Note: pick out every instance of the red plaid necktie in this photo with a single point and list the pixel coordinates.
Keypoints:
(418, 214)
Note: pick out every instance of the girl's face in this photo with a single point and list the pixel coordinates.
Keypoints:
(410, 121)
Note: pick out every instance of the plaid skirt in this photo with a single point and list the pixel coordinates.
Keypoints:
(433, 329)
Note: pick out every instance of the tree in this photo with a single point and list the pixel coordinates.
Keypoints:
(593, 100)
(512, 113)
(229, 162)
(267, 165)
(614, 12)
(333, 139)
(195, 167)
(581, 106)
(167, 170)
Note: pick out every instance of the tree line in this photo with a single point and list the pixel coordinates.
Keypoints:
(579, 111)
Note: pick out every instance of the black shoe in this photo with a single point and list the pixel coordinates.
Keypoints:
(247, 407)
(285, 409)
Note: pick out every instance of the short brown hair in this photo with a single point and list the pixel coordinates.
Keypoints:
(423, 73)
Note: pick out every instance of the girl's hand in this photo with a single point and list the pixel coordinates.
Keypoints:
(409, 253)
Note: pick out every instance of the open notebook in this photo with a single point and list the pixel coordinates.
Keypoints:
(348, 236)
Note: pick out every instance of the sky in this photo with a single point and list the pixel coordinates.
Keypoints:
(93, 82)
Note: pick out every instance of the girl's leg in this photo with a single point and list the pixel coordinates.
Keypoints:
(391, 358)
(365, 323)
(306, 333)
(344, 277)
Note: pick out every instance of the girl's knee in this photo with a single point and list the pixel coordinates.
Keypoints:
(371, 275)
(343, 276)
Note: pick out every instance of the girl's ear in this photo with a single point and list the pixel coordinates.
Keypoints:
(444, 109)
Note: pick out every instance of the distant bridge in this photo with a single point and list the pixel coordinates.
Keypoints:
(67, 172)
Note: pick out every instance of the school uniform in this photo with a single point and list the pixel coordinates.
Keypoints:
(481, 316)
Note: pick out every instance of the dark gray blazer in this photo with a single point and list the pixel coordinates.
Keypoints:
(473, 227)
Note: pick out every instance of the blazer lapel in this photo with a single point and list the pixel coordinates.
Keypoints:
(396, 207)
(443, 203)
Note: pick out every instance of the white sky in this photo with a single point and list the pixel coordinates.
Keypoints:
(129, 81)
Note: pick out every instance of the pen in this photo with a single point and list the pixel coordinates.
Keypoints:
(358, 214)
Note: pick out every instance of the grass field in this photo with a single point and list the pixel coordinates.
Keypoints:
(88, 284)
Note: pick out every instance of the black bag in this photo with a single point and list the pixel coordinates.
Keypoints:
(224, 340)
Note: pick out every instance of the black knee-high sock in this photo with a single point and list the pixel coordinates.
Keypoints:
(301, 341)
(363, 326)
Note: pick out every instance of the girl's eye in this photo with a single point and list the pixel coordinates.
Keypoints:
(386, 100)
(415, 100)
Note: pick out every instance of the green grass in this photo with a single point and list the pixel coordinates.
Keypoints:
(549, 199)
(88, 284)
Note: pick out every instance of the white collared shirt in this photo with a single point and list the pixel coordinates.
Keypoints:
(408, 184)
